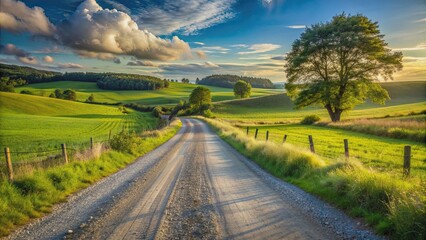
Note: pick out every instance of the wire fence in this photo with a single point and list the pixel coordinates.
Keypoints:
(394, 157)
(23, 162)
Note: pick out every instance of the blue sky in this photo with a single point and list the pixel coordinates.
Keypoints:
(191, 38)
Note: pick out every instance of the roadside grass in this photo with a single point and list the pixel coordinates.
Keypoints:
(171, 95)
(406, 98)
(393, 206)
(37, 124)
(33, 195)
(381, 153)
(411, 128)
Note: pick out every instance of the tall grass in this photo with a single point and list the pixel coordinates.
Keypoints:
(33, 195)
(394, 207)
(412, 129)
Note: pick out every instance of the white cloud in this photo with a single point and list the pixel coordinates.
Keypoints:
(118, 6)
(210, 64)
(28, 60)
(261, 48)
(141, 63)
(201, 54)
(420, 20)
(421, 46)
(240, 45)
(48, 59)
(200, 43)
(92, 30)
(16, 17)
(184, 16)
(70, 65)
(296, 26)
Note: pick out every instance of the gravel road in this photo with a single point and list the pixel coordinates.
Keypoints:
(195, 186)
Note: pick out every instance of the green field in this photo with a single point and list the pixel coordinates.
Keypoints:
(406, 97)
(381, 153)
(33, 123)
(171, 95)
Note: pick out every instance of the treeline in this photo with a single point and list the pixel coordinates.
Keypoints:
(228, 81)
(19, 76)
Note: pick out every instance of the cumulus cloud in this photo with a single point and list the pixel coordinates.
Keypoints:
(16, 17)
(201, 54)
(70, 65)
(48, 59)
(10, 49)
(261, 48)
(92, 30)
(20, 54)
(141, 63)
(184, 16)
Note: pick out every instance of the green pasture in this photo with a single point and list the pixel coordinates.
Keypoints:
(171, 95)
(37, 124)
(406, 97)
(381, 153)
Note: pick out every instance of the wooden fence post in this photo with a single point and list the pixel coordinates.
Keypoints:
(247, 130)
(109, 136)
(91, 143)
(346, 144)
(255, 133)
(8, 164)
(285, 138)
(407, 161)
(311, 143)
(64, 152)
(267, 135)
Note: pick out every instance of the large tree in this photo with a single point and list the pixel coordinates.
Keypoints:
(338, 64)
(200, 96)
(242, 89)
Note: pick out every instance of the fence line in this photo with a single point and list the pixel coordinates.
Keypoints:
(311, 144)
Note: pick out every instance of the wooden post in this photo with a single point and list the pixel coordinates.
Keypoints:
(109, 136)
(267, 135)
(311, 143)
(247, 130)
(255, 133)
(64, 152)
(8, 164)
(346, 145)
(407, 161)
(91, 143)
(285, 138)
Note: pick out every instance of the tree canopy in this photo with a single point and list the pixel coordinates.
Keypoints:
(337, 65)
(228, 81)
(242, 89)
(200, 96)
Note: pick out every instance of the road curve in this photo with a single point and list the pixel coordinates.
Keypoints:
(195, 186)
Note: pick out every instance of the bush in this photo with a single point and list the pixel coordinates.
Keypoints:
(125, 142)
(311, 119)
(157, 112)
(27, 92)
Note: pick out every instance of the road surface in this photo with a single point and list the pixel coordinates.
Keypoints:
(195, 186)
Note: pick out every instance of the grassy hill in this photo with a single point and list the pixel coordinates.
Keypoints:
(406, 97)
(40, 123)
(171, 95)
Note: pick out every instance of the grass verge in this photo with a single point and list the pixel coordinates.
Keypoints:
(393, 207)
(34, 195)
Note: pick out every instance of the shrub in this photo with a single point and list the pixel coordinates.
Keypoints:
(125, 142)
(311, 119)
(27, 92)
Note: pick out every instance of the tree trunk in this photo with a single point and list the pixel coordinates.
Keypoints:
(334, 115)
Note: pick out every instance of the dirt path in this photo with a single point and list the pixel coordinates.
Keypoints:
(193, 187)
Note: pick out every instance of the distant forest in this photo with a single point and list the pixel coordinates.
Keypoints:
(19, 76)
(228, 81)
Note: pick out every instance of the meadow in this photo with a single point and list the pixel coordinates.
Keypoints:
(40, 124)
(381, 153)
(171, 95)
(406, 98)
